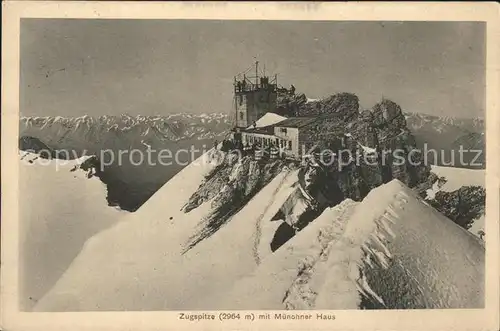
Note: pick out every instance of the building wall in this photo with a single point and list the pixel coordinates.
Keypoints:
(252, 105)
(241, 110)
(264, 139)
(291, 137)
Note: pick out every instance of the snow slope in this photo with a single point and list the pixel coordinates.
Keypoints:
(60, 208)
(287, 279)
(458, 177)
(138, 265)
(389, 251)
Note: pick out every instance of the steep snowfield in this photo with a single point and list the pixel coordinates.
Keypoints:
(60, 208)
(456, 178)
(138, 265)
(288, 279)
(389, 251)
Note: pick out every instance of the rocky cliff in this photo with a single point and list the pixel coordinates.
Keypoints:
(379, 144)
(462, 206)
(228, 187)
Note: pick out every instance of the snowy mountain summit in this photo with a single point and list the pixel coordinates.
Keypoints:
(271, 248)
(256, 223)
(63, 204)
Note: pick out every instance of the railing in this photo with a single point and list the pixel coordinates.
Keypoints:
(249, 83)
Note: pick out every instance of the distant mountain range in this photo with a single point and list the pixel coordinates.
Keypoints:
(449, 134)
(91, 133)
(130, 186)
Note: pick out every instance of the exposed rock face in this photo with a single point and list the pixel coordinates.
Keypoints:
(346, 104)
(92, 166)
(363, 131)
(368, 148)
(422, 188)
(229, 187)
(462, 206)
(388, 114)
(35, 145)
(382, 129)
(290, 105)
(378, 140)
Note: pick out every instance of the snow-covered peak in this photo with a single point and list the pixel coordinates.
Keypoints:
(62, 205)
(341, 259)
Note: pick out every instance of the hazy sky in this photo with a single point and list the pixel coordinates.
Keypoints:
(75, 67)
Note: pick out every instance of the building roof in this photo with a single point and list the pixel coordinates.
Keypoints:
(269, 130)
(292, 122)
(267, 120)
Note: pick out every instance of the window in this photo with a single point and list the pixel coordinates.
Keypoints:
(241, 116)
(283, 130)
(289, 145)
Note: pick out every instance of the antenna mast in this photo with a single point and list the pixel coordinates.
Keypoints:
(256, 73)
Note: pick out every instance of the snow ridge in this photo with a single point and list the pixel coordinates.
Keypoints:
(364, 241)
(261, 217)
(302, 293)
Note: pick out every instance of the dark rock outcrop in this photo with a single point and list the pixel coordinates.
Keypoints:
(367, 147)
(345, 104)
(92, 166)
(35, 145)
(462, 206)
(388, 114)
(229, 186)
(422, 188)
(379, 143)
(290, 105)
